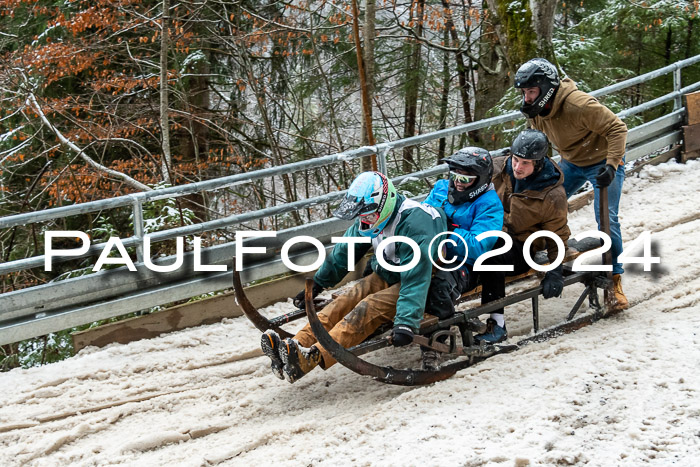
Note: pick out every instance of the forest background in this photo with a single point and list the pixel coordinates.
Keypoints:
(101, 98)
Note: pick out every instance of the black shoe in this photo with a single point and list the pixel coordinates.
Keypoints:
(298, 360)
(494, 333)
(270, 343)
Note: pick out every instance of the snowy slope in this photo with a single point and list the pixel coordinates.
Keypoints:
(623, 391)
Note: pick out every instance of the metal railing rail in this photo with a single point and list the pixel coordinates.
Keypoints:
(111, 293)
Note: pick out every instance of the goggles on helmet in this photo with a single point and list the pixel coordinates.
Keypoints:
(352, 206)
(457, 177)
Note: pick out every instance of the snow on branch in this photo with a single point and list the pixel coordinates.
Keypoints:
(31, 100)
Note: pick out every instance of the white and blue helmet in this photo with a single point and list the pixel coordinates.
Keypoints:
(370, 192)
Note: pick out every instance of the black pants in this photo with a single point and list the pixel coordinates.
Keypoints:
(493, 284)
(445, 288)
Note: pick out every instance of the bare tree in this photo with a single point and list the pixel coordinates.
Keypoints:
(166, 160)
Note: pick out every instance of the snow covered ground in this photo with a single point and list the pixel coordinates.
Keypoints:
(624, 391)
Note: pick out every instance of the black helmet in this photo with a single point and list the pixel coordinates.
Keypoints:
(476, 161)
(537, 73)
(530, 144)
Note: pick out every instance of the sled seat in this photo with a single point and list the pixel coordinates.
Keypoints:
(573, 251)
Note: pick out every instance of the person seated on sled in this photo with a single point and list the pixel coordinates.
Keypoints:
(381, 297)
(531, 189)
(472, 207)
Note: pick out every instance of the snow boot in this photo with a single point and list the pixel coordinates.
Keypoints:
(494, 333)
(621, 302)
(270, 343)
(298, 360)
(430, 360)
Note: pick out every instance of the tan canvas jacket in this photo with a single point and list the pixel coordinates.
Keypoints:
(530, 211)
(584, 131)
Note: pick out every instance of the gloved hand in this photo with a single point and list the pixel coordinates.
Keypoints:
(553, 282)
(451, 226)
(401, 335)
(299, 300)
(605, 176)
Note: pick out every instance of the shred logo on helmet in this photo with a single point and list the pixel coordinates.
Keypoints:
(476, 161)
(537, 73)
(370, 192)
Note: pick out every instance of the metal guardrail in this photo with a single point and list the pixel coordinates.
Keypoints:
(61, 305)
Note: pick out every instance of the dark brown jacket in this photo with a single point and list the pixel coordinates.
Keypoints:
(583, 130)
(532, 210)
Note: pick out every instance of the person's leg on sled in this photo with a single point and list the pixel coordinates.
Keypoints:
(493, 287)
(302, 353)
(331, 315)
(601, 175)
(445, 289)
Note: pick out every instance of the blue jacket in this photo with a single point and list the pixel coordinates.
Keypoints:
(470, 219)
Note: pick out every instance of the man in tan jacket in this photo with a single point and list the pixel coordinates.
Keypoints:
(590, 138)
(530, 187)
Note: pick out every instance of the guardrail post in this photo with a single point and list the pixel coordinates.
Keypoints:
(138, 228)
(678, 100)
(383, 149)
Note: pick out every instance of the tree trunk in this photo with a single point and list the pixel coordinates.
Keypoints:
(688, 40)
(365, 54)
(521, 30)
(492, 53)
(413, 78)
(333, 124)
(275, 150)
(166, 162)
(193, 143)
(524, 29)
(462, 70)
(444, 98)
(543, 24)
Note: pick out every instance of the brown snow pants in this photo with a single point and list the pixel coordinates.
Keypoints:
(355, 315)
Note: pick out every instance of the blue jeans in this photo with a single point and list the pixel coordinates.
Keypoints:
(575, 177)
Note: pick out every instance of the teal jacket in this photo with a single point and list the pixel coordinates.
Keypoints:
(414, 223)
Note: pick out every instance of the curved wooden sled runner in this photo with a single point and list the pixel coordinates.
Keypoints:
(258, 320)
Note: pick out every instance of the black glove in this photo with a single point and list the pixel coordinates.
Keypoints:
(553, 282)
(401, 335)
(300, 302)
(451, 226)
(605, 176)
